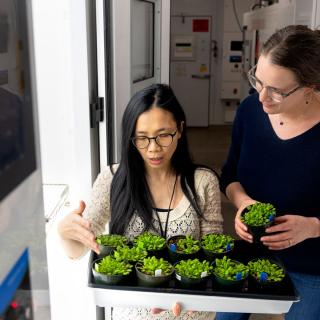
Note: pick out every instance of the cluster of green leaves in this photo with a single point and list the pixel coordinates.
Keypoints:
(149, 241)
(217, 243)
(150, 264)
(229, 269)
(188, 245)
(193, 268)
(126, 253)
(110, 266)
(259, 214)
(274, 272)
(112, 240)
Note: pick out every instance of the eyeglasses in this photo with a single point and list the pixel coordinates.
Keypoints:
(275, 94)
(162, 140)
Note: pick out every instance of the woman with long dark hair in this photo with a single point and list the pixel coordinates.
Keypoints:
(156, 187)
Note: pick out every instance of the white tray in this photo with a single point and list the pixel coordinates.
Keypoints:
(209, 299)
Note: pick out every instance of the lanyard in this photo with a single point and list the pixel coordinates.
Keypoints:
(164, 234)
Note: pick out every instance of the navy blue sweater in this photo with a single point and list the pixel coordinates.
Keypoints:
(285, 173)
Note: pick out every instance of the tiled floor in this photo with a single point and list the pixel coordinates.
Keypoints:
(70, 297)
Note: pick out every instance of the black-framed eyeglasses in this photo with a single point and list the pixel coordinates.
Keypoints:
(275, 94)
(162, 140)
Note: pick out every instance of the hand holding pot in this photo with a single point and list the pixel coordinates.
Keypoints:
(75, 227)
(240, 228)
(291, 229)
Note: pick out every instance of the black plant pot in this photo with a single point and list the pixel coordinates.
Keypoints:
(265, 285)
(257, 231)
(229, 285)
(101, 278)
(191, 283)
(152, 281)
(211, 256)
(176, 256)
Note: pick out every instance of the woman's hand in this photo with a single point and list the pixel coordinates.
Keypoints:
(239, 226)
(176, 310)
(75, 227)
(291, 229)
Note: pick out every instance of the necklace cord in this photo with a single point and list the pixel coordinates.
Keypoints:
(168, 213)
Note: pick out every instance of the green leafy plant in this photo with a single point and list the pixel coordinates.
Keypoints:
(149, 241)
(217, 243)
(193, 268)
(259, 214)
(112, 240)
(230, 270)
(150, 264)
(265, 270)
(110, 266)
(126, 253)
(188, 245)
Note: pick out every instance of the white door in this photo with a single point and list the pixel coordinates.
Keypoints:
(132, 52)
(190, 66)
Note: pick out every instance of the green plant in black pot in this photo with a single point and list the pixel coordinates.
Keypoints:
(150, 242)
(126, 253)
(153, 272)
(265, 272)
(257, 217)
(110, 271)
(182, 247)
(108, 242)
(192, 272)
(216, 245)
(230, 274)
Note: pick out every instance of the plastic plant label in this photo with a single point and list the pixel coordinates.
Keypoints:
(173, 247)
(238, 276)
(228, 247)
(178, 277)
(271, 217)
(158, 273)
(263, 276)
(204, 274)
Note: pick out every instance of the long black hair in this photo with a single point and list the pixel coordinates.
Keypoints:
(129, 189)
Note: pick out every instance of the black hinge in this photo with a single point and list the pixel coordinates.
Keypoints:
(96, 112)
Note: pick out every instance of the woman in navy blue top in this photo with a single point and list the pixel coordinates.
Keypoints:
(275, 157)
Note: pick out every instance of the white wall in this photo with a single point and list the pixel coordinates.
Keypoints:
(223, 20)
(62, 73)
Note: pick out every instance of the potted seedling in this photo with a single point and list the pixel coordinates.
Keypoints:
(133, 255)
(153, 272)
(182, 247)
(257, 217)
(230, 274)
(192, 272)
(154, 244)
(109, 242)
(265, 273)
(216, 245)
(110, 271)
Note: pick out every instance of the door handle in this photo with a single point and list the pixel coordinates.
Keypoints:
(199, 76)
